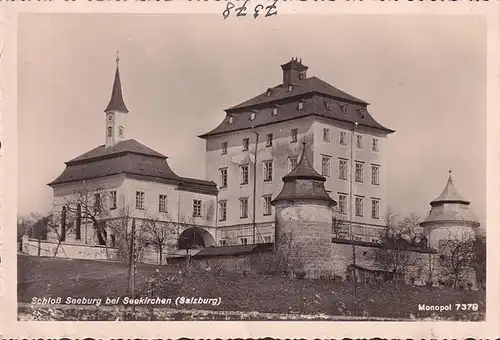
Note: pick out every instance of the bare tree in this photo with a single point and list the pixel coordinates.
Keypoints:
(338, 224)
(159, 232)
(59, 226)
(397, 238)
(456, 258)
(25, 224)
(479, 262)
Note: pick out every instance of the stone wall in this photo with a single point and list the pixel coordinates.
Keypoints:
(68, 250)
(303, 234)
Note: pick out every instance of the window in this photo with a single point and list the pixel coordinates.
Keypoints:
(223, 177)
(293, 135)
(244, 174)
(375, 208)
(252, 115)
(244, 240)
(269, 92)
(375, 174)
(243, 207)
(231, 120)
(342, 169)
(328, 105)
(326, 135)
(359, 172)
(246, 142)
(361, 113)
(110, 131)
(196, 208)
(224, 148)
(139, 200)
(268, 239)
(301, 105)
(359, 141)
(344, 109)
(97, 202)
(267, 205)
(112, 196)
(275, 111)
(162, 203)
(292, 163)
(113, 240)
(268, 171)
(343, 138)
(222, 210)
(343, 204)
(269, 139)
(120, 131)
(375, 146)
(223, 243)
(325, 166)
(359, 206)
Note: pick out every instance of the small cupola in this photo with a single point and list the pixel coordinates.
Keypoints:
(293, 72)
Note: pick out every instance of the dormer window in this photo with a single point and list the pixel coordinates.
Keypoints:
(328, 105)
(231, 120)
(269, 92)
(252, 115)
(301, 104)
(361, 112)
(343, 108)
(290, 88)
(275, 111)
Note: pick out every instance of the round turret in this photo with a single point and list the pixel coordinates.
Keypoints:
(450, 215)
(303, 212)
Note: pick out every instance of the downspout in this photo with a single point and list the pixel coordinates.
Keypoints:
(254, 183)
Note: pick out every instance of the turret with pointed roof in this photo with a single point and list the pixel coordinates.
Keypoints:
(450, 208)
(116, 103)
(304, 183)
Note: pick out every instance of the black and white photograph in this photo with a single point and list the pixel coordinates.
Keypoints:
(187, 167)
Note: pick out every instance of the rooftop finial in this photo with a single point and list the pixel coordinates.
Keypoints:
(449, 171)
(117, 57)
(300, 60)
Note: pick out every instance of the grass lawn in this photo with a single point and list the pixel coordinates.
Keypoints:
(57, 277)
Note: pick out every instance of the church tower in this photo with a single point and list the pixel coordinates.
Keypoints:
(116, 112)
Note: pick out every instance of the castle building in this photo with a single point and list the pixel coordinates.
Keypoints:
(258, 143)
(124, 179)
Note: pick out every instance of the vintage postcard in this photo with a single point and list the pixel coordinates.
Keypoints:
(250, 168)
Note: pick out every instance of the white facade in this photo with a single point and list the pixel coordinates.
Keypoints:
(285, 146)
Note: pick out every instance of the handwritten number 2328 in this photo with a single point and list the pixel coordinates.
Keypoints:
(241, 11)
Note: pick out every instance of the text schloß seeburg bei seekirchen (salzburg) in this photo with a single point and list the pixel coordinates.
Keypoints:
(180, 300)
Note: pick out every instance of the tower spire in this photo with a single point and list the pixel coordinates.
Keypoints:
(116, 102)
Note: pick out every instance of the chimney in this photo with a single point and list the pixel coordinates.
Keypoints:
(293, 71)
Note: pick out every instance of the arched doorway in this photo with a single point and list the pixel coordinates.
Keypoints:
(195, 238)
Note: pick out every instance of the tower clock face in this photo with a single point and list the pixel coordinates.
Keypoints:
(110, 118)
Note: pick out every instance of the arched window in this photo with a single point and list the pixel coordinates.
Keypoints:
(120, 131)
(110, 131)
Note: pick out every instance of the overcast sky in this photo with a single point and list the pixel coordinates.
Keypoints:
(425, 77)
